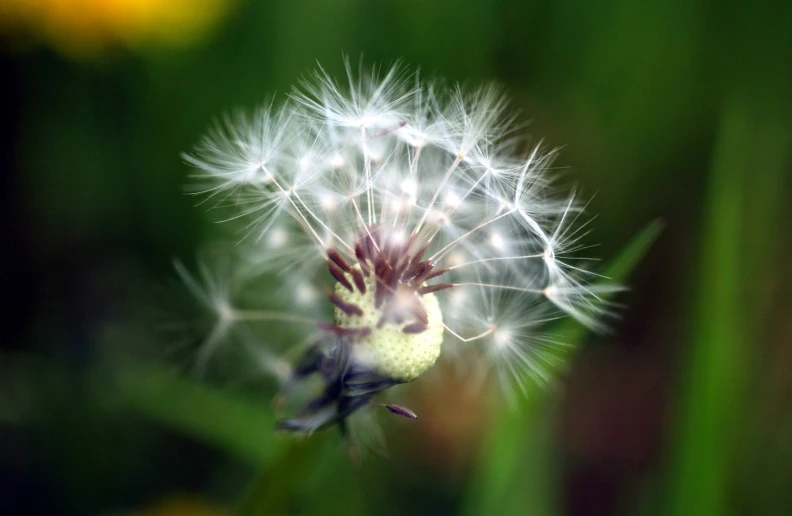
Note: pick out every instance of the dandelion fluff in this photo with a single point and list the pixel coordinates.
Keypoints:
(433, 231)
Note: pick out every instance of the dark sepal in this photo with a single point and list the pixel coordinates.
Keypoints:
(401, 411)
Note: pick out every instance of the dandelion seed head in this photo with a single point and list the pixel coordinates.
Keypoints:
(433, 230)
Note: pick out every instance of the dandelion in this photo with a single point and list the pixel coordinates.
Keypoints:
(433, 230)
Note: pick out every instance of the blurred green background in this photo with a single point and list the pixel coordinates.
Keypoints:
(671, 111)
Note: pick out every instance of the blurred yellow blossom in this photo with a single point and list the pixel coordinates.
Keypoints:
(183, 505)
(86, 27)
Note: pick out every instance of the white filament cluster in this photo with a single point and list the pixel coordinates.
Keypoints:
(415, 160)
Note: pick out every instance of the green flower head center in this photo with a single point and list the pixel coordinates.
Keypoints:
(393, 349)
(383, 306)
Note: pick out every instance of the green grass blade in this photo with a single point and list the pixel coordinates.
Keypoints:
(241, 428)
(749, 162)
(273, 487)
